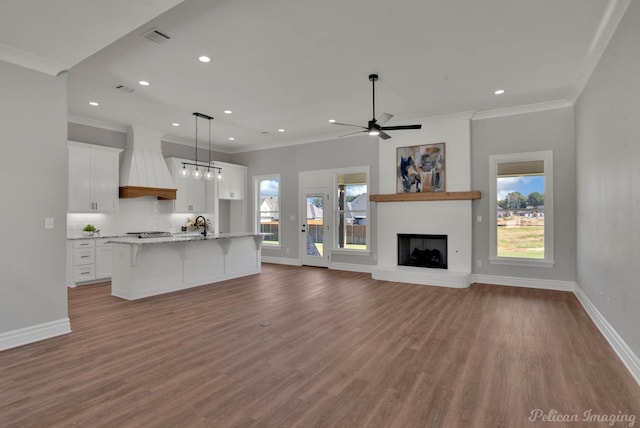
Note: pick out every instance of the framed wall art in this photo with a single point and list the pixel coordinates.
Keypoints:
(421, 168)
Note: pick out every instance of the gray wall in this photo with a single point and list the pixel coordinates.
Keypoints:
(99, 136)
(289, 161)
(33, 170)
(608, 157)
(545, 130)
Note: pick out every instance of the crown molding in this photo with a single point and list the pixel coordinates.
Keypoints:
(83, 120)
(522, 109)
(31, 61)
(608, 24)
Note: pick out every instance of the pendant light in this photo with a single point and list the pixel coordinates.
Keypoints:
(209, 175)
(198, 174)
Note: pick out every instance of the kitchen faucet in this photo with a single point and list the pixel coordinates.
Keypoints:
(204, 222)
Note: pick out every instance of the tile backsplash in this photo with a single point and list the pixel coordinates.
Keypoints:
(137, 214)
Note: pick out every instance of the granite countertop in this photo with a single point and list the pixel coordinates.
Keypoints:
(182, 237)
(76, 236)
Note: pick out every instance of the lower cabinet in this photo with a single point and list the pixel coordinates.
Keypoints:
(104, 259)
(88, 260)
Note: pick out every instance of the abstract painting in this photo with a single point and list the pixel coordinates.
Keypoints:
(421, 168)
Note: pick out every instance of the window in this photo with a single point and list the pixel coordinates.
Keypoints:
(522, 209)
(352, 211)
(268, 212)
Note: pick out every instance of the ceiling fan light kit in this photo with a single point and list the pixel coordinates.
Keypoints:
(374, 127)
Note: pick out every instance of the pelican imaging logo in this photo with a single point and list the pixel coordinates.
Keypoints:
(614, 419)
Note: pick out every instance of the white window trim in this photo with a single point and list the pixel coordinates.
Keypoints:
(494, 160)
(334, 191)
(256, 211)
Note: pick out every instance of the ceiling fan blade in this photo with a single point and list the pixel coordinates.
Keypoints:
(347, 124)
(384, 118)
(352, 133)
(384, 135)
(396, 128)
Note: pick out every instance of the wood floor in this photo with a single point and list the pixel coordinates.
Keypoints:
(342, 350)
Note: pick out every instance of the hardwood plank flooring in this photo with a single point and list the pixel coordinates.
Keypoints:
(342, 350)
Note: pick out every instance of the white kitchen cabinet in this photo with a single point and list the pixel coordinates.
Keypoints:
(93, 177)
(104, 259)
(233, 183)
(88, 260)
(190, 195)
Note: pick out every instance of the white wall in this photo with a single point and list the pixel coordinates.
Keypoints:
(608, 182)
(33, 293)
(451, 218)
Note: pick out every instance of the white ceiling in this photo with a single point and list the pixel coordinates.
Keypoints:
(295, 64)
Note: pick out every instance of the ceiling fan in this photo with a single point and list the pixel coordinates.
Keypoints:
(374, 125)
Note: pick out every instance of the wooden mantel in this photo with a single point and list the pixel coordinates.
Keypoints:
(427, 196)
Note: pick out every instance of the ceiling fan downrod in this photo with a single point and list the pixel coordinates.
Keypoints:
(373, 78)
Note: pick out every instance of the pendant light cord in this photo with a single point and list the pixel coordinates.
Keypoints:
(196, 141)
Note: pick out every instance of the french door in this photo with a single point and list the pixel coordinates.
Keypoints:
(315, 237)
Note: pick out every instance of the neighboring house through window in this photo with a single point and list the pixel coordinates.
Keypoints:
(352, 211)
(268, 212)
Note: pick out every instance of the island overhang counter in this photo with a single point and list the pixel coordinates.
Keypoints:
(147, 267)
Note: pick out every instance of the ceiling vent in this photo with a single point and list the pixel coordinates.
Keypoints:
(156, 36)
(124, 88)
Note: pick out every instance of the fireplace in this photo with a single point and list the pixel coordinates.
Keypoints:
(427, 251)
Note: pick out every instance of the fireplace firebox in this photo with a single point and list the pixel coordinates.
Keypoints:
(428, 251)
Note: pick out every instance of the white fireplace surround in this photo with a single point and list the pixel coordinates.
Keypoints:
(452, 218)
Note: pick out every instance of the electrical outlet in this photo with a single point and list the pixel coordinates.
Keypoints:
(479, 219)
(479, 263)
(49, 223)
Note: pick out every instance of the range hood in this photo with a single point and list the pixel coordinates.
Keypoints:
(144, 171)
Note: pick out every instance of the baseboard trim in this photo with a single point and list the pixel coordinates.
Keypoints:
(281, 261)
(351, 267)
(620, 347)
(544, 284)
(34, 333)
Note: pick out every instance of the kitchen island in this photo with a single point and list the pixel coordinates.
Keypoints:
(147, 267)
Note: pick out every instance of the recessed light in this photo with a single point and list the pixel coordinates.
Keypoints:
(93, 103)
(232, 138)
(175, 124)
(143, 83)
(332, 121)
(281, 130)
(204, 58)
(499, 91)
(228, 112)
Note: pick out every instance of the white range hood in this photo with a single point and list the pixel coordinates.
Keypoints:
(144, 171)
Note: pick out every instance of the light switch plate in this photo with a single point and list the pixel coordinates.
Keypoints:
(49, 223)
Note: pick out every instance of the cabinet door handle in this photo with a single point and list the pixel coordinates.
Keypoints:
(85, 273)
(84, 257)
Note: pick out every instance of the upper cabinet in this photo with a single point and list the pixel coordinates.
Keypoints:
(190, 196)
(93, 178)
(233, 183)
